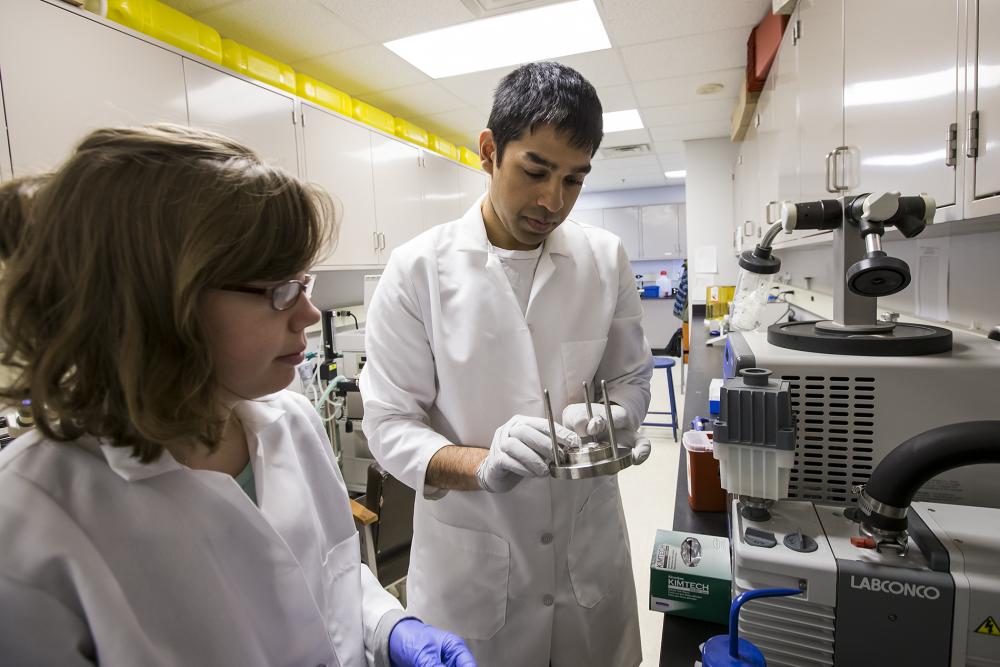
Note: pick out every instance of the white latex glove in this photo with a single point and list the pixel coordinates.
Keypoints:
(520, 448)
(574, 417)
(640, 445)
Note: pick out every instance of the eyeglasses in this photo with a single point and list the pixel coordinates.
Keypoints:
(283, 296)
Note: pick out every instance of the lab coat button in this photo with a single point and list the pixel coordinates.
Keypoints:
(546, 538)
(548, 600)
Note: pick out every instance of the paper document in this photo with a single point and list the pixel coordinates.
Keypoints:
(706, 260)
(932, 279)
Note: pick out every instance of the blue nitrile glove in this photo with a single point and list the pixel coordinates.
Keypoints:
(416, 644)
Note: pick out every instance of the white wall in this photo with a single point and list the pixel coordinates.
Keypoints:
(673, 194)
(709, 164)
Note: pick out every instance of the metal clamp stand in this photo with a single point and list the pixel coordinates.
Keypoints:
(593, 458)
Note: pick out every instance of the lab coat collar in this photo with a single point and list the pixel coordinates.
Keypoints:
(255, 415)
(472, 234)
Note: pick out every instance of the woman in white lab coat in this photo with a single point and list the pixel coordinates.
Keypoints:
(531, 571)
(175, 506)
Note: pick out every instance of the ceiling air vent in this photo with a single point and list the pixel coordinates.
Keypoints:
(485, 8)
(612, 152)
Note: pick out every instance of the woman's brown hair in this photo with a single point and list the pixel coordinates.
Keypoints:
(111, 255)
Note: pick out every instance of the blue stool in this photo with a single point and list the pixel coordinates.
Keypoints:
(668, 363)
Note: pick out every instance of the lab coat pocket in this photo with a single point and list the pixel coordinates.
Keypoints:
(458, 580)
(341, 596)
(598, 555)
(580, 361)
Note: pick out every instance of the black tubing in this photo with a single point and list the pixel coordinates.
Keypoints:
(901, 474)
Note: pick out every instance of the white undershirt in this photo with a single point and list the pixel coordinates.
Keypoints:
(520, 266)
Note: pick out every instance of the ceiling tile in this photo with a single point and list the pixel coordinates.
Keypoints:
(682, 89)
(617, 98)
(421, 99)
(363, 70)
(289, 31)
(600, 68)
(475, 88)
(672, 162)
(722, 49)
(634, 22)
(463, 122)
(698, 112)
(384, 20)
(668, 147)
(691, 131)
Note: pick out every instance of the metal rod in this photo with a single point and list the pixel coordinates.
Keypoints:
(552, 427)
(611, 422)
(586, 401)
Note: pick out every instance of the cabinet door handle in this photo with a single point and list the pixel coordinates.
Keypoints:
(381, 242)
(830, 187)
(375, 240)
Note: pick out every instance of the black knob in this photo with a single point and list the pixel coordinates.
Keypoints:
(878, 275)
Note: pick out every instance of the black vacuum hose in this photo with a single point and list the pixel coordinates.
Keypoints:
(900, 475)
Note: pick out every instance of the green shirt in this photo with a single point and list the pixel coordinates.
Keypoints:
(246, 481)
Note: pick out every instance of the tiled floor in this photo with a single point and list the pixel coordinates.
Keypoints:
(648, 498)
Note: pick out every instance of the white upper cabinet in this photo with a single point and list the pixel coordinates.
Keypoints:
(64, 75)
(256, 116)
(337, 157)
(901, 94)
(441, 190)
(472, 184)
(624, 222)
(396, 174)
(660, 233)
(983, 98)
(592, 216)
(818, 37)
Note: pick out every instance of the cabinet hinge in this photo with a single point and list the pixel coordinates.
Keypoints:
(972, 136)
(951, 146)
(796, 32)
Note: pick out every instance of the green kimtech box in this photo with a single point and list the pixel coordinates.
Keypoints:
(691, 575)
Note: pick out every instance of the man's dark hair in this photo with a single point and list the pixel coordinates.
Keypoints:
(550, 93)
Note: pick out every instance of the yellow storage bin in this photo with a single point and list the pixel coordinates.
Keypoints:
(320, 93)
(439, 145)
(169, 25)
(257, 65)
(374, 116)
(407, 130)
(469, 157)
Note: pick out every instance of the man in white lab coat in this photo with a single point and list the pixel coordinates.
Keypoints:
(471, 321)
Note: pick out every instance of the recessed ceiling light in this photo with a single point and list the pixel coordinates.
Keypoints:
(619, 121)
(543, 33)
(680, 173)
(709, 88)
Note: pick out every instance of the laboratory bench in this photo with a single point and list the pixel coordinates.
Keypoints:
(682, 636)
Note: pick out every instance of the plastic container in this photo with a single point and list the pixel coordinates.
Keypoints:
(705, 492)
(469, 157)
(442, 147)
(752, 290)
(665, 285)
(412, 133)
(324, 95)
(257, 65)
(374, 116)
(650, 291)
(714, 395)
(169, 25)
